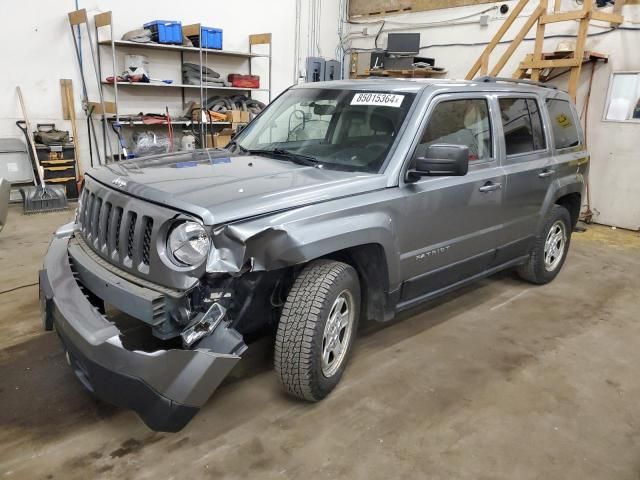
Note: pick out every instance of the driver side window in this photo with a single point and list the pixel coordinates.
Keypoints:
(461, 122)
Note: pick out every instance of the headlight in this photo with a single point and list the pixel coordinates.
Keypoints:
(188, 243)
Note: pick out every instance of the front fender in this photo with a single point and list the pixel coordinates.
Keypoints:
(266, 244)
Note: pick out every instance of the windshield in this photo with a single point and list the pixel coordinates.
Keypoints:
(340, 129)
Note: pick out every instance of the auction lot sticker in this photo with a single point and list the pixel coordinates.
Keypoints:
(382, 99)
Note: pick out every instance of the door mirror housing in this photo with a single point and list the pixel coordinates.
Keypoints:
(441, 160)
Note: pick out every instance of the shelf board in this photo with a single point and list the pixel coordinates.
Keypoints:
(181, 48)
(129, 123)
(180, 85)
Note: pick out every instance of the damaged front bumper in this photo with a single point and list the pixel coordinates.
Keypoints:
(166, 388)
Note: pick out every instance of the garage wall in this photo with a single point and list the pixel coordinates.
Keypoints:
(37, 50)
(615, 167)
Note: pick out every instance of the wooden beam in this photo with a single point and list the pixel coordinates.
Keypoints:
(555, 63)
(578, 55)
(78, 16)
(516, 41)
(617, 8)
(562, 17)
(497, 37)
(484, 66)
(96, 108)
(537, 49)
(259, 39)
(612, 18)
(556, 6)
(102, 19)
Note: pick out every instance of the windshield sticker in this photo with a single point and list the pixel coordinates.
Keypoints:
(384, 99)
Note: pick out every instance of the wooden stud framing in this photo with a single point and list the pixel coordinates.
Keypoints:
(562, 17)
(554, 63)
(496, 38)
(536, 62)
(617, 9)
(574, 76)
(537, 51)
(516, 42)
(613, 18)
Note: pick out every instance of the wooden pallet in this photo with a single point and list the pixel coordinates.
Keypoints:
(549, 73)
(534, 64)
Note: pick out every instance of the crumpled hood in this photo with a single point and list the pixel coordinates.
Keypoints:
(220, 187)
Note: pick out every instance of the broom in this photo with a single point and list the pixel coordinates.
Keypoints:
(39, 198)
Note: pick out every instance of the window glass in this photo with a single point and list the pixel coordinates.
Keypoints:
(624, 97)
(539, 142)
(300, 122)
(339, 129)
(522, 125)
(461, 122)
(565, 132)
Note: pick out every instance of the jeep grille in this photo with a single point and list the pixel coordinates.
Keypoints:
(124, 230)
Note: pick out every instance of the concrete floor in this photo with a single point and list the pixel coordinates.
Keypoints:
(502, 380)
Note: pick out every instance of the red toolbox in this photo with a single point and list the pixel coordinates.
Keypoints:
(244, 81)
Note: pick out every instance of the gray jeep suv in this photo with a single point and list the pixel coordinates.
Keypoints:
(342, 202)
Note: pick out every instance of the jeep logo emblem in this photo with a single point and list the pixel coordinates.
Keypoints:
(119, 182)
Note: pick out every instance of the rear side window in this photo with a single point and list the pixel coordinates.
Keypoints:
(461, 122)
(563, 126)
(522, 125)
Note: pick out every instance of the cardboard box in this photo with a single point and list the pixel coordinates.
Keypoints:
(218, 141)
(238, 116)
(234, 116)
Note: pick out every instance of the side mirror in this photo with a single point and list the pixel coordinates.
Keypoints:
(441, 161)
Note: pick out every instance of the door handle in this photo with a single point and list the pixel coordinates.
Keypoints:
(490, 187)
(546, 173)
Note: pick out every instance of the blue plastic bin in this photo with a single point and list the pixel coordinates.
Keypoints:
(165, 31)
(211, 38)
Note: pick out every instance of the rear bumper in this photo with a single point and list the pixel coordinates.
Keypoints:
(165, 387)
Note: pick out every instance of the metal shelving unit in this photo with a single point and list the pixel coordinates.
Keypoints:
(180, 85)
(105, 20)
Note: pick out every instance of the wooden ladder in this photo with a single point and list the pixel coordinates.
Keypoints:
(537, 62)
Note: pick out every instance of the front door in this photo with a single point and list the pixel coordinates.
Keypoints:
(450, 225)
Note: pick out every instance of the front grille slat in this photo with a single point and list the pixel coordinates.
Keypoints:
(103, 225)
(133, 217)
(95, 218)
(87, 215)
(114, 232)
(146, 239)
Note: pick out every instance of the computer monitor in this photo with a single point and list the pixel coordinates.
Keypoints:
(403, 43)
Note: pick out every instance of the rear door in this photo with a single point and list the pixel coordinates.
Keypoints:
(529, 169)
(449, 228)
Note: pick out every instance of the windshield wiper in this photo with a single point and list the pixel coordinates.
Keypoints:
(237, 145)
(295, 157)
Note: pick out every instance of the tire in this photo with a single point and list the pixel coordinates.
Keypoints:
(302, 336)
(541, 268)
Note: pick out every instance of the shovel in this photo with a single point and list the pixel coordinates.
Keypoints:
(40, 198)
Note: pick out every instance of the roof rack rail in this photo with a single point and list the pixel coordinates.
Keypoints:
(488, 79)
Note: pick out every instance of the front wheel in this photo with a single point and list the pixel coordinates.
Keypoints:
(550, 248)
(317, 328)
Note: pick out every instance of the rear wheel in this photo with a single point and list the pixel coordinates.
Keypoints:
(549, 249)
(317, 328)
